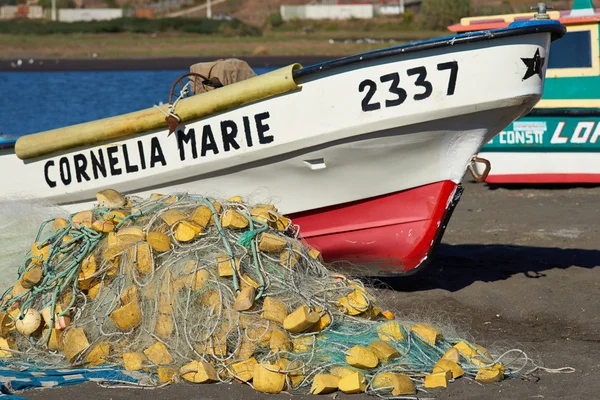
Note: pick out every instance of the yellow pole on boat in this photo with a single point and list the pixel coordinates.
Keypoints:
(92, 133)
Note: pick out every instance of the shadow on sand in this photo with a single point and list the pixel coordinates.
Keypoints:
(457, 266)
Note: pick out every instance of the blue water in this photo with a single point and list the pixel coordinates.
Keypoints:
(32, 102)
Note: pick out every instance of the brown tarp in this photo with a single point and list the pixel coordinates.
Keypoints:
(226, 71)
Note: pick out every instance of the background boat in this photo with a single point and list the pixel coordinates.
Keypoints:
(559, 140)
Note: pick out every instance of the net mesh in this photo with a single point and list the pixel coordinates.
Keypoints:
(187, 287)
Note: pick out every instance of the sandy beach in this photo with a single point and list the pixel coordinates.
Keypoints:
(517, 268)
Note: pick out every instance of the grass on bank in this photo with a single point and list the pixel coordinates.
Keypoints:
(173, 44)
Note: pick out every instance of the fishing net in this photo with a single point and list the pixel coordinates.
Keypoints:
(187, 287)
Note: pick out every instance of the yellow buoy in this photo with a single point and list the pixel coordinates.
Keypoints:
(97, 354)
(199, 372)
(274, 310)
(84, 218)
(383, 351)
(270, 243)
(244, 370)
(447, 365)
(401, 385)
(490, 375)
(300, 320)
(324, 384)
(428, 333)
(159, 242)
(233, 219)
(130, 235)
(390, 331)
(340, 372)
(7, 346)
(75, 342)
(30, 322)
(55, 339)
(59, 223)
(164, 326)
(187, 231)
(323, 322)
(279, 341)
(32, 277)
(266, 380)
(353, 383)
(201, 216)
(105, 226)
(110, 198)
(134, 361)
(166, 374)
(361, 357)
(225, 266)
(245, 299)
(39, 254)
(127, 317)
(172, 216)
(158, 354)
(452, 355)
(438, 379)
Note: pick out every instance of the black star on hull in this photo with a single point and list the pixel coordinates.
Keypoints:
(535, 65)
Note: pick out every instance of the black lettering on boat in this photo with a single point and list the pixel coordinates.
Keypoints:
(80, 168)
(98, 164)
(229, 131)
(113, 160)
(65, 171)
(262, 128)
(128, 167)
(395, 89)
(420, 82)
(184, 138)
(156, 153)
(421, 73)
(453, 67)
(372, 88)
(49, 181)
(208, 141)
(247, 131)
(142, 158)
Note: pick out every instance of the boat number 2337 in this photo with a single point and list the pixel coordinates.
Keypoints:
(398, 94)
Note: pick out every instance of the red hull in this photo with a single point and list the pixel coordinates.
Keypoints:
(544, 178)
(387, 235)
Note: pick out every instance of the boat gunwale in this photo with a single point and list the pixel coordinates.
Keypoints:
(519, 28)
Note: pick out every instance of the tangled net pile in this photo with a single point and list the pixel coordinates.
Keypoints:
(185, 287)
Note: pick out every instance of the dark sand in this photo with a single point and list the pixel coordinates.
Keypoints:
(516, 265)
(123, 64)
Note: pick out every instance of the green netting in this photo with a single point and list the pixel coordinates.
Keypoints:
(186, 287)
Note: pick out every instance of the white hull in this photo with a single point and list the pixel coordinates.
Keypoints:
(538, 167)
(365, 154)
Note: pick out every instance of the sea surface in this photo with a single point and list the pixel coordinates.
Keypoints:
(33, 102)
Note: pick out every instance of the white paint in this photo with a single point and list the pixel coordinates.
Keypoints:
(325, 11)
(543, 163)
(556, 138)
(89, 14)
(367, 153)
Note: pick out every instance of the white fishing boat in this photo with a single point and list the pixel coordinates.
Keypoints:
(366, 153)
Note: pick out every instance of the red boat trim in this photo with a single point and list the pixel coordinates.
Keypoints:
(389, 235)
(544, 178)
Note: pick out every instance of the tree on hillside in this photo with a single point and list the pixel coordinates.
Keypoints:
(439, 14)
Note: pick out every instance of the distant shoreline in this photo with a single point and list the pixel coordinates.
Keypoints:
(122, 64)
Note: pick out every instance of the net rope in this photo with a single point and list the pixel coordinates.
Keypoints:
(187, 287)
